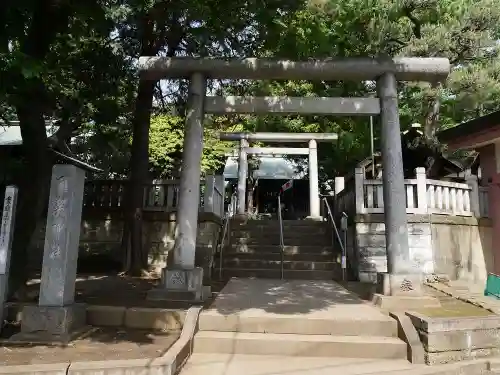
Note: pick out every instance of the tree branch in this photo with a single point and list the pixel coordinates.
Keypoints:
(417, 26)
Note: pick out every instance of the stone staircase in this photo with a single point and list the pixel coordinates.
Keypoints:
(254, 250)
(293, 318)
(306, 315)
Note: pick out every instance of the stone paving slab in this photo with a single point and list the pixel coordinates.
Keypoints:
(104, 344)
(309, 299)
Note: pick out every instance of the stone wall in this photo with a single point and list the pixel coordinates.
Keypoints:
(103, 233)
(456, 246)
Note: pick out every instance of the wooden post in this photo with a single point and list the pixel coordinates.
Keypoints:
(474, 195)
(359, 179)
(421, 190)
(208, 197)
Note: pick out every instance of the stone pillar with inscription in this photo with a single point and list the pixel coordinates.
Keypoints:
(182, 280)
(402, 278)
(57, 318)
(6, 236)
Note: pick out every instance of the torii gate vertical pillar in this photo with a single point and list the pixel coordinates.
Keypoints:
(314, 203)
(182, 280)
(401, 278)
(242, 177)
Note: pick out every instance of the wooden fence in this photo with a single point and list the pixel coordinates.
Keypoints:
(423, 196)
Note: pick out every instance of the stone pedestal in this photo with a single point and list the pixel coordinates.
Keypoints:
(181, 285)
(402, 292)
(52, 324)
(400, 285)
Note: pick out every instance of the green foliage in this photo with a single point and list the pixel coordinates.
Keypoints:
(464, 31)
(166, 137)
(90, 79)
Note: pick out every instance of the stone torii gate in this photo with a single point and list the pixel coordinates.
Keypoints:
(402, 277)
(311, 151)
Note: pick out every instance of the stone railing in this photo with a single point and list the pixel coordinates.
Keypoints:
(160, 195)
(423, 196)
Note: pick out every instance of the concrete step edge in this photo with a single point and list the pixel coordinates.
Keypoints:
(263, 247)
(300, 338)
(238, 254)
(212, 320)
(213, 312)
(237, 269)
(300, 345)
(277, 260)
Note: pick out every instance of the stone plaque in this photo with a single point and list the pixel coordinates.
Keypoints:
(7, 227)
(177, 279)
(186, 280)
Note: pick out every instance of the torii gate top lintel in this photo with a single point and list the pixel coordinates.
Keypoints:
(279, 137)
(351, 69)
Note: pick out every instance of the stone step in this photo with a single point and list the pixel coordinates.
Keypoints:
(337, 324)
(275, 240)
(276, 274)
(276, 264)
(288, 240)
(287, 249)
(272, 231)
(248, 364)
(328, 256)
(299, 345)
(275, 224)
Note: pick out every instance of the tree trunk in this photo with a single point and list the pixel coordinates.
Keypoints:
(136, 257)
(34, 185)
(49, 18)
(432, 116)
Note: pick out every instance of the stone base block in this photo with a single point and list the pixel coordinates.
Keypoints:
(181, 285)
(401, 303)
(442, 358)
(367, 277)
(314, 218)
(52, 324)
(400, 284)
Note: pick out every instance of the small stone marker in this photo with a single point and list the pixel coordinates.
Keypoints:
(57, 318)
(6, 236)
